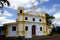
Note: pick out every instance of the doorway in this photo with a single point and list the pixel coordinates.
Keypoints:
(33, 29)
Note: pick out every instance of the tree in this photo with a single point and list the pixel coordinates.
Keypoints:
(2, 2)
(58, 29)
(54, 30)
(49, 22)
(49, 19)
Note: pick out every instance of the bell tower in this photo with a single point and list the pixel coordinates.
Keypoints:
(20, 12)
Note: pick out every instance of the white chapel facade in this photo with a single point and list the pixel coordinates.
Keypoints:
(28, 24)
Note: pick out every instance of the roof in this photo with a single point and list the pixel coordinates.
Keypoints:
(12, 22)
(9, 23)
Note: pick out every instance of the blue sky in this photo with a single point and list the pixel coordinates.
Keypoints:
(52, 7)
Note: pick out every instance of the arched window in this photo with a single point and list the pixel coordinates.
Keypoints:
(40, 28)
(40, 20)
(26, 18)
(33, 19)
(21, 11)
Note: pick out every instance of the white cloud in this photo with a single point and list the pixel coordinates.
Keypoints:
(6, 13)
(51, 10)
(55, 5)
(44, 0)
(14, 5)
(57, 18)
(39, 9)
(57, 15)
(36, 3)
(22, 3)
(47, 10)
(41, 1)
(28, 5)
(4, 20)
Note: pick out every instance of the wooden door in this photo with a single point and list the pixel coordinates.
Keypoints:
(33, 30)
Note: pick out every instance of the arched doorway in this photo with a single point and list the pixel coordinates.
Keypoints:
(33, 29)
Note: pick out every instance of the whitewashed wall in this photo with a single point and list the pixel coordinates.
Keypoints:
(36, 13)
(28, 34)
(10, 32)
(20, 29)
(38, 32)
(30, 18)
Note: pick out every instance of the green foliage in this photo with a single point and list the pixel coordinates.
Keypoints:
(49, 19)
(2, 2)
(58, 29)
(54, 30)
(5, 1)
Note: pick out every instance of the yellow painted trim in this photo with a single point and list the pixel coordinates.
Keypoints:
(22, 10)
(38, 14)
(18, 23)
(42, 26)
(47, 30)
(22, 21)
(45, 15)
(23, 31)
(6, 32)
(49, 26)
(18, 9)
(10, 23)
(17, 29)
(46, 24)
(27, 13)
(44, 21)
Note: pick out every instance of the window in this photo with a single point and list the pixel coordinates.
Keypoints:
(14, 28)
(33, 19)
(2, 29)
(40, 28)
(40, 20)
(20, 11)
(26, 28)
(26, 18)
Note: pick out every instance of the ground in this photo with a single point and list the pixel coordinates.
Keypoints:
(52, 37)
